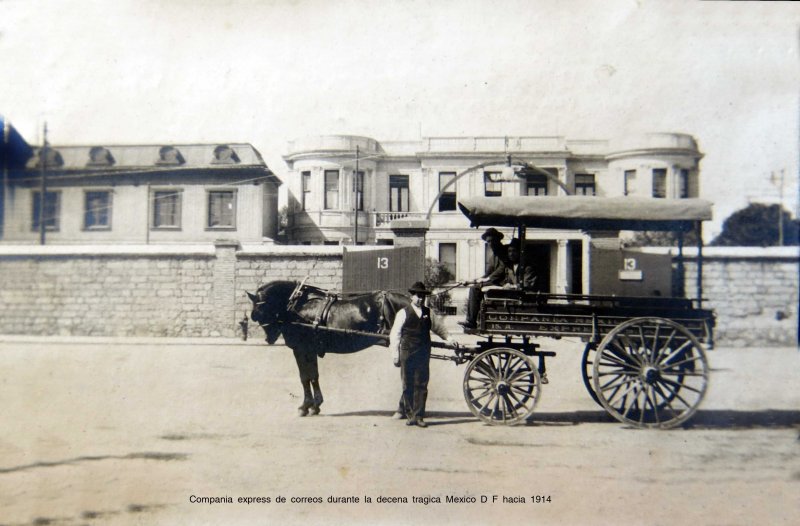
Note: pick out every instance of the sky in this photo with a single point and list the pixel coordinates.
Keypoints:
(266, 72)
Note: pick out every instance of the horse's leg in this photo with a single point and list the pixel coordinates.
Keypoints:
(317, 396)
(308, 400)
(307, 366)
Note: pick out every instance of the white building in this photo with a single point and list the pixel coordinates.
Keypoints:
(404, 180)
(141, 194)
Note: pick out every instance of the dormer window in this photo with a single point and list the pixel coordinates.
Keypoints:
(53, 158)
(100, 156)
(170, 156)
(224, 154)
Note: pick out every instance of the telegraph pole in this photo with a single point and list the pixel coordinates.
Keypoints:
(43, 187)
(355, 202)
(779, 181)
(4, 157)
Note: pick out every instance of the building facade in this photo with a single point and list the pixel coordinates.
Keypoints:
(345, 189)
(144, 194)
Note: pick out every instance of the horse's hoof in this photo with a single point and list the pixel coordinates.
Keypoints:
(314, 411)
(302, 412)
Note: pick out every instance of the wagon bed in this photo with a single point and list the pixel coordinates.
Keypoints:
(591, 317)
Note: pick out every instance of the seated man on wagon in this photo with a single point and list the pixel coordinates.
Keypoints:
(518, 275)
(496, 274)
(508, 272)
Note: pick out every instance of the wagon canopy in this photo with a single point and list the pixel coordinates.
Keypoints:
(586, 213)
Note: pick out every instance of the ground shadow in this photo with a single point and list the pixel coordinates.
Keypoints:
(442, 417)
(730, 419)
(92, 515)
(150, 455)
(703, 419)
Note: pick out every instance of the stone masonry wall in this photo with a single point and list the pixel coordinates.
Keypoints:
(200, 291)
(754, 293)
(174, 292)
(107, 296)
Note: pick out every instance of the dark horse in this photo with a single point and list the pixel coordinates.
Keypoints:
(314, 322)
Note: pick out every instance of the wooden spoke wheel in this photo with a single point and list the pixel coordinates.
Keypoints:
(650, 372)
(587, 370)
(502, 386)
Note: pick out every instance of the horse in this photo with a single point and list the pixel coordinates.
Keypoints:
(314, 322)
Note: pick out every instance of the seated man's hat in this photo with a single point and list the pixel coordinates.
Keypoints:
(492, 232)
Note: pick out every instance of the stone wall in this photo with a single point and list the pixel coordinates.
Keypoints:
(200, 290)
(176, 291)
(754, 292)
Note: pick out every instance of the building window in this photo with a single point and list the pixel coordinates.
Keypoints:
(97, 210)
(683, 184)
(660, 182)
(331, 242)
(447, 199)
(359, 190)
(331, 189)
(398, 193)
(628, 181)
(535, 184)
(584, 184)
(52, 211)
(167, 209)
(222, 209)
(447, 257)
(306, 178)
(490, 187)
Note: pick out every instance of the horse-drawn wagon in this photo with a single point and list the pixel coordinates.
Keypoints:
(643, 359)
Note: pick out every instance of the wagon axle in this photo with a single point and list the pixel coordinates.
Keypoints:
(650, 374)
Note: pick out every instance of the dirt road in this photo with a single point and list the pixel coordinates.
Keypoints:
(121, 433)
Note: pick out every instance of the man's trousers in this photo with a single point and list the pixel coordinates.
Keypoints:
(415, 372)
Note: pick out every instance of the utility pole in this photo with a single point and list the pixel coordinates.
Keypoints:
(779, 183)
(355, 202)
(4, 157)
(43, 187)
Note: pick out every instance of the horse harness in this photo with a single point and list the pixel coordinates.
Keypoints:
(321, 319)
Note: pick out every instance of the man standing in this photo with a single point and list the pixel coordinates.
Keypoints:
(410, 343)
(495, 275)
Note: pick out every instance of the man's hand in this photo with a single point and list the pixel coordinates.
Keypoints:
(396, 357)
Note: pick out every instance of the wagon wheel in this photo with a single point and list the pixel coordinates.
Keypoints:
(587, 370)
(502, 386)
(650, 372)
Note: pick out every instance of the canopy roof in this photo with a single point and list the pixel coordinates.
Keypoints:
(586, 213)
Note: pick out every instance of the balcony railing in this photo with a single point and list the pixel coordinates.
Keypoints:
(493, 144)
(384, 219)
